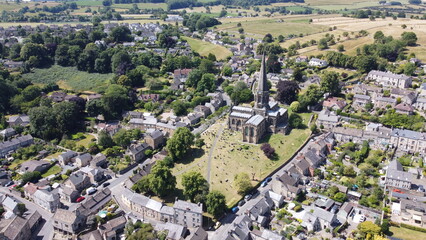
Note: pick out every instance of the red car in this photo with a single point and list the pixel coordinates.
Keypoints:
(80, 199)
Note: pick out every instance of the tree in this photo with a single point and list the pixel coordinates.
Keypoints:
(379, 37)
(341, 48)
(194, 184)
(206, 66)
(122, 138)
(115, 101)
(161, 180)
(272, 64)
(239, 93)
(179, 108)
(298, 74)
(295, 106)
(340, 197)
(216, 203)
(410, 38)
(107, 3)
(409, 69)
(227, 71)
(121, 62)
(207, 83)
(385, 226)
(330, 83)
(121, 34)
(268, 150)
(179, 144)
(287, 91)
(242, 183)
(30, 177)
(323, 44)
(268, 38)
(296, 121)
(144, 232)
(368, 227)
(194, 77)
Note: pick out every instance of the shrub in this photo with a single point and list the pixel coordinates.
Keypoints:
(297, 208)
(419, 229)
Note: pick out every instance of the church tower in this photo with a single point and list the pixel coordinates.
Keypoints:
(262, 94)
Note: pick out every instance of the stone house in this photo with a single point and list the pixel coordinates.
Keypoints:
(384, 102)
(360, 101)
(389, 79)
(188, 214)
(48, 200)
(286, 185)
(78, 181)
(83, 160)
(327, 119)
(315, 62)
(68, 194)
(99, 160)
(396, 177)
(404, 108)
(334, 103)
(12, 145)
(155, 139)
(21, 120)
(66, 157)
(33, 166)
(136, 151)
(68, 222)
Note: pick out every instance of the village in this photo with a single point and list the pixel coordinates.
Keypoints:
(248, 141)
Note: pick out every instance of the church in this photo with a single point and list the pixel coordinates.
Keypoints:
(265, 117)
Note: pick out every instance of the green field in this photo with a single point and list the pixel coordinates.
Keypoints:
(258, 28)
(204, 48)
(407, 234)
(70, 78)
(230, 152)
(86, 141)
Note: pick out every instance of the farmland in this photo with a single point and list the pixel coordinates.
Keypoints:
(70, 78)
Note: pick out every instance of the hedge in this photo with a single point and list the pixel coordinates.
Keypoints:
(413, 227)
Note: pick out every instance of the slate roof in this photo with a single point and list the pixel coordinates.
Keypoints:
(188, 206)
(255, 120)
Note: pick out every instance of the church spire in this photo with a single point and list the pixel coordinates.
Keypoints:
(263, 85)
(262, 93)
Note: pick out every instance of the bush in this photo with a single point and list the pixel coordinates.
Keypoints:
(419, 229)
(297, 208)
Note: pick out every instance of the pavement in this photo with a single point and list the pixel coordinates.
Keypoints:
(209, 161)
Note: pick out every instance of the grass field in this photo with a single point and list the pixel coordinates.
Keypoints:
(70, 78)
(204, 48)
(407, 234)
(55, 169)
(231, 156)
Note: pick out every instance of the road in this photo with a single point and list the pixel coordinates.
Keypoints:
(46, 232)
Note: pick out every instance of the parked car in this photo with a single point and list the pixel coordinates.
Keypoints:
(106, 184)
(10, 183)
(248, 197)
(80, 199)
(95, 185)
(91, 190)
(264, 183)
(268, 179)
(235, 209)
(241, 203)
(13, 186)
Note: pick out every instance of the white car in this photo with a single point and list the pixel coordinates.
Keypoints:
(91, 190)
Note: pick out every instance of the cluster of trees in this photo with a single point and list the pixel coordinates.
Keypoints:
(239, 92)
(376, 55)
(198, 22)
(288, 91)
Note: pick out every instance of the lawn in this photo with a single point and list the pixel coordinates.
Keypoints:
(407, 234)
(231, 153)
(86, 141)
(205, 48)
(55, 169)
(70, 78)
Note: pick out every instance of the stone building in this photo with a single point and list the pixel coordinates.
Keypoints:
(265, 117)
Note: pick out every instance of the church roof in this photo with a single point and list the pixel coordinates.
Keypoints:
(255, 120)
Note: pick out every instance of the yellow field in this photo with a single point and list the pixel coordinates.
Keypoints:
(388, 26)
